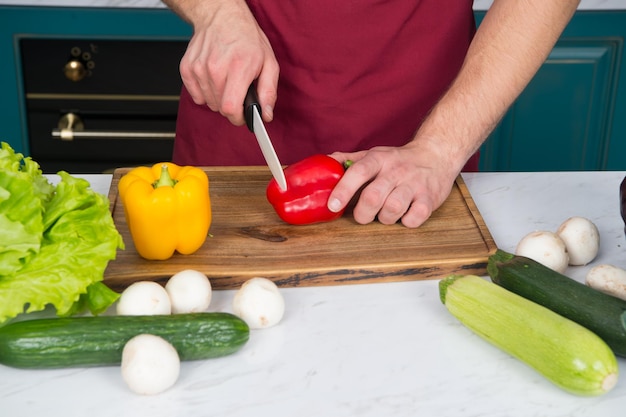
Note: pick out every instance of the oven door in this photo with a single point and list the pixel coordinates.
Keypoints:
(98, 136)
(96, 105)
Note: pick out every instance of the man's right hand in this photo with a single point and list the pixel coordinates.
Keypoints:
(227, 52)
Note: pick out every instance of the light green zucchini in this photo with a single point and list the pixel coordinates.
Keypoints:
(564, 352)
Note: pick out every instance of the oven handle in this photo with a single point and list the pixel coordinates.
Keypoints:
(70, 134)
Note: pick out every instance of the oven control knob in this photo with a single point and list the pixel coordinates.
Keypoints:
(75, 70)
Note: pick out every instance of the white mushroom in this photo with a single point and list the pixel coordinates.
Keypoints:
(259, 303)
(608, 279)
(545, 247)
(150, 364)
(189, 291)
(581, 238)
(144, 298)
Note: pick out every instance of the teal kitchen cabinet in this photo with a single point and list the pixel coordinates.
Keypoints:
(572, 115)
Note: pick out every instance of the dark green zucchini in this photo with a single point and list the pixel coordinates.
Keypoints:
(99, 341)
(598, 312)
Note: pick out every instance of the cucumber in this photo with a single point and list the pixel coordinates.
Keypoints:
(597, 311)
(98, 341)
(564, 352)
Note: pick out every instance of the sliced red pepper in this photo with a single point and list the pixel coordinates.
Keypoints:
(309, 184)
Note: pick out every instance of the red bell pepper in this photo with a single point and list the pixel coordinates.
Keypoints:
(309, 183)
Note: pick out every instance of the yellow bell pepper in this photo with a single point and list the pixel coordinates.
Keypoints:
(167, 209)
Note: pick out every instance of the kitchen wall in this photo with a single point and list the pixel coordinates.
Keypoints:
(478, 4)
(581, 110)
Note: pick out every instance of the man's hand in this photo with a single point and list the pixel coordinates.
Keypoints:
(227, 52)
(403, 183)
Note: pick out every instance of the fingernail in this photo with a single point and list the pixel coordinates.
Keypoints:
(269, 112)
(334, 205)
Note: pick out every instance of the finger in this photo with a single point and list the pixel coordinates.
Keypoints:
(188, 68)
(242, 73)
(354, 178)
(371, 201)
(196, 93)
(201, 89)
(343, 157)
(395, 205)
(235, 90)
(204, 72)
(419, 211)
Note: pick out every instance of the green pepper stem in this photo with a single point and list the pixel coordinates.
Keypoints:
(348, 163)
(165, 180)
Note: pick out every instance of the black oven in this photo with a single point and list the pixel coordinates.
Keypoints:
(93, 105)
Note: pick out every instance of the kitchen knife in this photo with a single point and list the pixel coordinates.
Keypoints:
(252, 113)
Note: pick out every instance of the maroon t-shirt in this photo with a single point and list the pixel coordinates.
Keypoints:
(353, 75)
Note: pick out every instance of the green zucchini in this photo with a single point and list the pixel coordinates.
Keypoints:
(564, 352)
(99, 341)
(597, 311)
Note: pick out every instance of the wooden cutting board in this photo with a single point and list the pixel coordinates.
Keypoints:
(248, 240)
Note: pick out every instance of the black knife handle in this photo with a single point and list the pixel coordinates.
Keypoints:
(250, 102)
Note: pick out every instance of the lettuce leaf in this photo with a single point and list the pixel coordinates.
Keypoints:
(56, 244)
(97, 299)
(21, 203)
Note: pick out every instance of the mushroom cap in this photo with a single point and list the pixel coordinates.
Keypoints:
(259, 303)
(144, 298)
(150, 364)
(582, 239)
(189, 291)
(545, 247)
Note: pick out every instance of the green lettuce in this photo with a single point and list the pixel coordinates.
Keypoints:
(55, 241)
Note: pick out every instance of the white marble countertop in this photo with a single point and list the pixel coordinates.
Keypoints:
(478, 4)
(364, 350)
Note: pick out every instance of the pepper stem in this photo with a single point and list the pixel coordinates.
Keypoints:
(165, 180)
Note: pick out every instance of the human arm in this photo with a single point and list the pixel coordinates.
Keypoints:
(412, 181)
(228, 50)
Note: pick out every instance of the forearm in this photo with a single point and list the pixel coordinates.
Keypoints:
(510, 45)
(183, 8)
(193, 11)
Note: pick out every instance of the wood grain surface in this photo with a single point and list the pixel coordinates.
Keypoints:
(247, 239)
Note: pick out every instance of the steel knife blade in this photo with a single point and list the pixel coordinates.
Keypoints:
(252, 112)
